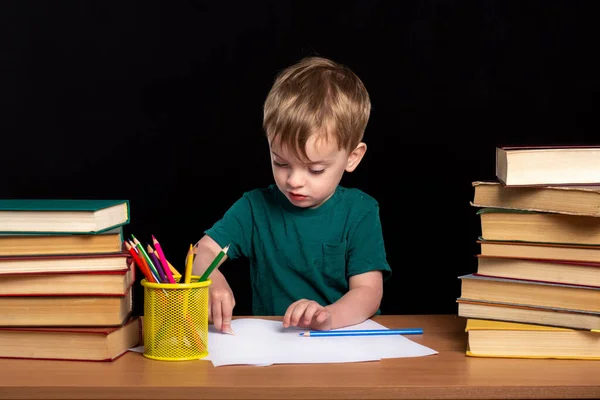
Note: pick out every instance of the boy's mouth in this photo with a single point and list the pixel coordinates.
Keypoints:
(297, 197)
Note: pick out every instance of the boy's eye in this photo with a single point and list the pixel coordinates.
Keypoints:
(316, 172)
(275, 163)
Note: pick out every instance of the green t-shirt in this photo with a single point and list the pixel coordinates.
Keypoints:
(297, 253)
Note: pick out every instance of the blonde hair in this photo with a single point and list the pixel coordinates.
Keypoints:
(316, 95)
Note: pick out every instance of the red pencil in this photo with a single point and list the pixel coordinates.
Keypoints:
(141, 265)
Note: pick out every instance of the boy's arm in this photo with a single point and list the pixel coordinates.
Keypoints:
(360, 302)
(367, 267)
(235, 229)
(221, 297)
(206, 251)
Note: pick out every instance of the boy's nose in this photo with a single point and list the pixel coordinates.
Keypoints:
(295, 180)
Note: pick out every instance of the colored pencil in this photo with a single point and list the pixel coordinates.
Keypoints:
(158, 273)
(133, 246)
(189, 261)
(157, 264)
(216, 262)
(363, 332)
(163, 260)
(171, 267)
(144, 262)
(144, 257)
(138, 262)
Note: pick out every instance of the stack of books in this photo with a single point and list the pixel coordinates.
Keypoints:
(65, 280)
(536, 290)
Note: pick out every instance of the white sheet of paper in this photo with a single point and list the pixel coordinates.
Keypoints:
(264, 342)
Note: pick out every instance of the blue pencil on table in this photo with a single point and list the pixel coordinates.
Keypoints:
(363, 332)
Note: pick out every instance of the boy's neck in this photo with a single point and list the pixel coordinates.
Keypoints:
(308, 211)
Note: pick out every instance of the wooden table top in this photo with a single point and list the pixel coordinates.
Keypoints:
(447, 375)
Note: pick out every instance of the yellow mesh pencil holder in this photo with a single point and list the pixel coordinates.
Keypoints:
(176, 320)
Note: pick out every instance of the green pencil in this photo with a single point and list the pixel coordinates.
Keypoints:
(214, 264)
(147, 258)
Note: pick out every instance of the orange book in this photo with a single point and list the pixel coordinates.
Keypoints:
(18, 244)
(530, 293)
(76, 283)
(510, 312)
(488, 338)
(64, 263)
(61, 311)
(555, 271)
(539, 251)
(76, 344)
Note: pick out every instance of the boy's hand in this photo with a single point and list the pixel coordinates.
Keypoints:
(220, 303)
(220, 296)
(307, 314)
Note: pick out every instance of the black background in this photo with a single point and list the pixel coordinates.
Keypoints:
(160, 103)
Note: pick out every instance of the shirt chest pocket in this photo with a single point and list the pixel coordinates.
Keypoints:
(334, 265)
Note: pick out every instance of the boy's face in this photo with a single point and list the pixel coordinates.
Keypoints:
(310, 183)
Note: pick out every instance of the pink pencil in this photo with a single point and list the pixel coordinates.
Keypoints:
(163, 260)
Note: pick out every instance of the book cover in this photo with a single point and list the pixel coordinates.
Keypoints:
(483, 324)
(64, 263)
(538, 250)
(487, 338)
(545, 261)
(530, 293)
(76, 283)
(73, 216)
(481, 240)
(547, 147)
(509, 312)
(64, 311)
(69, 343)
(532, 226)
(548, 165)
(57, 204)
(55, 243)
(578, 273)
(570, 200)
(491, 210)
(476, 277)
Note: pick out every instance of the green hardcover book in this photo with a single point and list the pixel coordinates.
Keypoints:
(53, 216)
(488, 210)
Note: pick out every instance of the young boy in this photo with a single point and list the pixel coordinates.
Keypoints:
(316, 249)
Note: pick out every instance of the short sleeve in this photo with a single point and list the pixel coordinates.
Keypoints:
(235, 229)
(366, 249)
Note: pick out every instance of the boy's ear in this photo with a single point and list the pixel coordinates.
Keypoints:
(356, 156)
